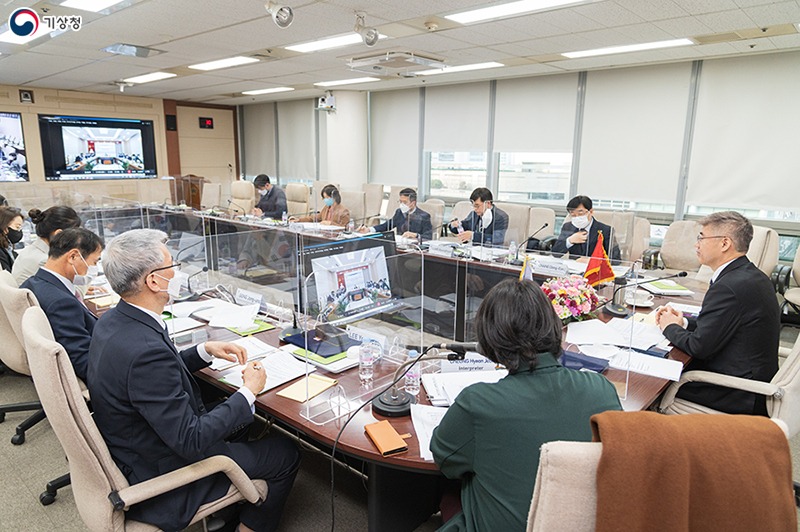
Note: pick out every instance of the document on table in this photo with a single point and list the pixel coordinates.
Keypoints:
(256, 349)
(185, 309)
(178, 325)
(606, 352)
(645, 335)
(593, 332)
(663, 368)
(686, 309)
(238, 317)
(281, 367)
(443, 388)
(426, 418)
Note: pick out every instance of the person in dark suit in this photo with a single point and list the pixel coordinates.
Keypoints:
(409, 220)
(579, 236)
(147, 404)
(485, 225)
(73, 253)
(272, 203)
(738, 329)
(10, 235)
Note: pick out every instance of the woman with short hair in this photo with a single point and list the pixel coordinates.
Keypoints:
(332, 213)
(491, 435)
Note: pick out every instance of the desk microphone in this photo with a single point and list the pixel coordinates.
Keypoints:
(195, 274)
(190, 246)
(365, 218)
(290, 331)
(237, 205)
(613, 307)
(516, 260)
(458, 348)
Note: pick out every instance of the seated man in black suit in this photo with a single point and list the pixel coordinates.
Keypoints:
(485, 225)
(409, 220)
(738, 329)
(147, 404)
(579, 235)
(272, 202)
(73, 254)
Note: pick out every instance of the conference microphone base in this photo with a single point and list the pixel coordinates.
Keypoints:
(618, 311)
(389, 405)
(289, 331)
(516, 262)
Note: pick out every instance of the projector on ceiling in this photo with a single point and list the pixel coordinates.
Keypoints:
(390, 63)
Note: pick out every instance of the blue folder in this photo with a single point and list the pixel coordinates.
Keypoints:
(321, 347)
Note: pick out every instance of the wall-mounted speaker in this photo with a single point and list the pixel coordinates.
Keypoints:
(172, 122)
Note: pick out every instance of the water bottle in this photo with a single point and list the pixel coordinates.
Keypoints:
(366, 362)
(285, 218)
(512, 251)
(351, 226)
(413, 375)
(460, 228)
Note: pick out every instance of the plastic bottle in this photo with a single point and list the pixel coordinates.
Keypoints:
(285, 217)
(366, 362)
(413, 375)
(512, 250)
(351, 226)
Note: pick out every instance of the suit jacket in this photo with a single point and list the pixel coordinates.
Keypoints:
(339, 215)
(7, 259)
(148, 408)
(586, 249)
(492, 235)
(273, 205)
(71, 321)
(418, 222)
(736, 333)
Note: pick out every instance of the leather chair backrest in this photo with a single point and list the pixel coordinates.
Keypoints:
(243, 196)
(787, 407)
(14, 302)
(297, 198)
(461, 210)
(394, 198)
(517, 221)
(93, 473)
(434, 207)
(677, 249)
(373, 199)
(641, 237)
(537, 217)
(763, 250)
(212, 195)
(355, 200)
(622, 225)
(565, 494)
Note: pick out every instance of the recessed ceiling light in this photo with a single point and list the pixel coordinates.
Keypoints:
(147, 78)
(131, 50)
(461, 68)
(95, 6)
(345, 81)
(509, 10)
(224, 63)
(268, 91)
(12, 38)
(629, 48)
(327, 44)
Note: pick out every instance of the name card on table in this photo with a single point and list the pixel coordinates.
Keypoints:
(360, 334)
(247, 297)
(548, 266)
(471, 362)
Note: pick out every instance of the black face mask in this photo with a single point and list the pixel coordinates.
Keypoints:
(14, 235)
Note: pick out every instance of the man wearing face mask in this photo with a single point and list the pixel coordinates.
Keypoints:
(409, 220)
(72, 258)
(579, 236)
(147, 404)
(485, 225)
(272, 199)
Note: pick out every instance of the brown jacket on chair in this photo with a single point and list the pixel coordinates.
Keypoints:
(339, 215)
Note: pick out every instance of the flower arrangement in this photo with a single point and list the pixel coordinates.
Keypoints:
(573, 298)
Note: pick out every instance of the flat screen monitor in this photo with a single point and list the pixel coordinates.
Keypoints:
(91, 148)
(13, 162)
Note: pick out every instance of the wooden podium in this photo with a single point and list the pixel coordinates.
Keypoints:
(188, 190)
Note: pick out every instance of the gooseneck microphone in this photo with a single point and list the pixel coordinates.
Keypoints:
(614, 307)
(195, 274)
(516, 260)
(186, 248)
(237, 205)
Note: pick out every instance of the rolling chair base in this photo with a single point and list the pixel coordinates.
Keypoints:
(48, 496)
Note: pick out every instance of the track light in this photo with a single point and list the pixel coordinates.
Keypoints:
(282, 16)
(368, 34)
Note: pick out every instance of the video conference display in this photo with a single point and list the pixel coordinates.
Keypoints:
(79, 148)
(13, 162)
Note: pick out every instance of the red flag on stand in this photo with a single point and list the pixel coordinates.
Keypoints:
(599, 268)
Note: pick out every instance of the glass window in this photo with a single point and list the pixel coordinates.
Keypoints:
(534, 177)
(456, 174)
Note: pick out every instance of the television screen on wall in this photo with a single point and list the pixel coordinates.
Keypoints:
(13, 162)
(90, 148)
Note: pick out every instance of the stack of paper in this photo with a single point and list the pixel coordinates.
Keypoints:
(663, 368)
(256, 350)
(281, 367)
(443, 388)
(426, 418)
(667, 287)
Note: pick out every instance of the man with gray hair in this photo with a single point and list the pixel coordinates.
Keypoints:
(147, 404)
(738, 328)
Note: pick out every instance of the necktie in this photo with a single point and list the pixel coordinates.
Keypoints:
(80, 296)
(710, 283)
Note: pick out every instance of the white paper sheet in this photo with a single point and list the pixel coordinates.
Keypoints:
(599, 351)
(426, 418)
(593, 332)
(234, 316)
(645, 335)
(281, 367)
(662, 368)
(256, 349)
(454, 383)
(691, 309)
(177, 325)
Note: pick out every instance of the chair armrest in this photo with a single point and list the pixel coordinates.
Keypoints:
(650, 258)
(547, 243)
(781, 277)
(148, 489)
(718, 379)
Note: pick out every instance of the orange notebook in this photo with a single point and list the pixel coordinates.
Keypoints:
(386, 438)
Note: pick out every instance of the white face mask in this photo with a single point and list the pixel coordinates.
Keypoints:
(404, 208)
(487, 217)
(263, 192)
(581, 222)
(175, 284)
(84, 280)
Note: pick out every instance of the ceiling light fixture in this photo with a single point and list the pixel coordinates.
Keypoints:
(282, 16)
(345, 82)
(147, 78)
(122, 85)
(131, 50)
(268, 91)
(460, 68)
(95, 6)
(629, 48)
(224, 63)
(509, 10)
(10, 37)
(368, 34)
